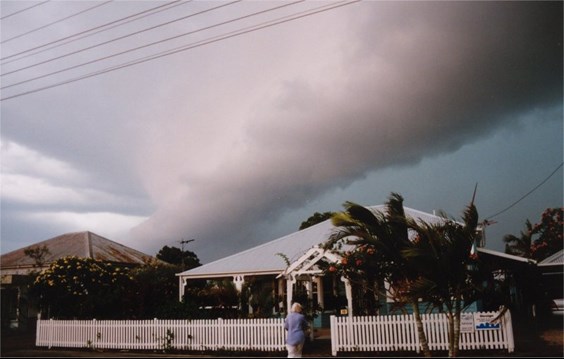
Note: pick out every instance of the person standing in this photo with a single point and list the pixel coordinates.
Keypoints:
(296, 325)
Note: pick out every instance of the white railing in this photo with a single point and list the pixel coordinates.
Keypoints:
(399, 333)
(216, 334)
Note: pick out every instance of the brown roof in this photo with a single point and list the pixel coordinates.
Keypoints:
(79, 244)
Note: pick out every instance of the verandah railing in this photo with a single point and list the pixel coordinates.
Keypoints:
(213, 334)
(399, 332)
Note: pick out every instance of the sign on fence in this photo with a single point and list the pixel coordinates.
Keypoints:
(484, 321)
(467, 322)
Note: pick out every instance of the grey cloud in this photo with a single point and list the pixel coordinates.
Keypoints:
(225, 139)
(417, 79)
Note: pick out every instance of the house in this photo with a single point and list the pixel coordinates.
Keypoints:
(525, 284)
(291, 266)
(552, 274)
(16, 267)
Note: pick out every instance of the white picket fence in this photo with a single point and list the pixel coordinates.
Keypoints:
(375, 333)
(217, 334)
(399, 333)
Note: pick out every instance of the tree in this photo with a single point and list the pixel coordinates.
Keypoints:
(174, 255)
(315, 219)
(540, 240)
(38, 254)
(378, 240)
(154, 287)
(520, 246)
(548, 234)
(82, 288)
(450, 276)
(435, 263)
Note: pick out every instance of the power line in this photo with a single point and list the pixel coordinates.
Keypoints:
(56, 21)
(528, 193)
(116, 23)
(157, 42)
(22, 10)
(250, 29)
(120, 38)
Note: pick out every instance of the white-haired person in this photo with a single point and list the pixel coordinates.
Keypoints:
(296, 325)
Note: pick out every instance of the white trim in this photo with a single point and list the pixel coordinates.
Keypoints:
(304, 264)
(552, 260)
(507, 256)
(227, 274)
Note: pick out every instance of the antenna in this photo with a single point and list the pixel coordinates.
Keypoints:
(474, 194)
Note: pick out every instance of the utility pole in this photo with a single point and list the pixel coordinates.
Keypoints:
(182, 243)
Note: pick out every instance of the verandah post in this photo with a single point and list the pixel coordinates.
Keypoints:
(334, 336)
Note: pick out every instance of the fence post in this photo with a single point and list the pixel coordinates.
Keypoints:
(155, 334)
(50, 333)
(95, 336)
(38, 329)
(416, 331)
(220, 333)
(508, 328)
(334, 336)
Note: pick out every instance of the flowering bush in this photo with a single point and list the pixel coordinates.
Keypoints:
(75, 287)
(363, 268)
(548, 233)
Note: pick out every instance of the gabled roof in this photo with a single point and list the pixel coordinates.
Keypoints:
(307, 263)
(79, 244)
(554, 260)
(263, 259)
(510, 257)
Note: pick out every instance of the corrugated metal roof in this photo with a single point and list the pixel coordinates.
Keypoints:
(506, 256)
(79, 244)
(263, 259)
(555, 259)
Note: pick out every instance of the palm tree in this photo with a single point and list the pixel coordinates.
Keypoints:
(387, 235)
(520, 246)
(449, 276)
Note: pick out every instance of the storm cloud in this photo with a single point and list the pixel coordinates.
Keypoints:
(227, 138)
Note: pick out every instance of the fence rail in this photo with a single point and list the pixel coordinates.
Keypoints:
(399, 333)
(376, 333)
(228, 334)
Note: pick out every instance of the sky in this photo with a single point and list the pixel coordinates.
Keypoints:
(152, 122)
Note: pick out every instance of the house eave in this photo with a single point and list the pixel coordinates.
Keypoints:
(229, 274)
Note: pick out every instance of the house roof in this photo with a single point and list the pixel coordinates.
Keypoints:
(264, 259)
(79, 244)
(506, 256)
(557, 259)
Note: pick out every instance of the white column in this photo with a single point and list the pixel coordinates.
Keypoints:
(239, 280)
(309, 289)
(290, 280)
(348, 291)
(181, 284)
(281, 294)
(320, 292)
